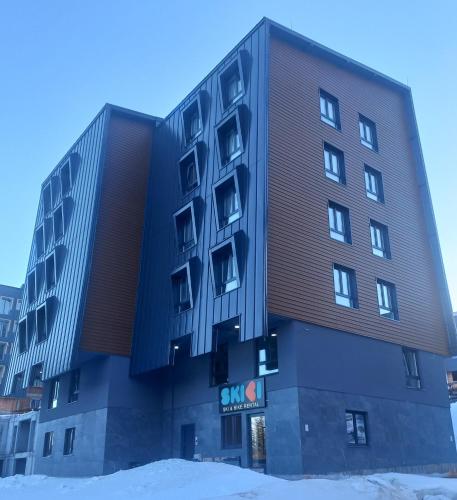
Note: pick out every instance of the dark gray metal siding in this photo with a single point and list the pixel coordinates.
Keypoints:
(156, 323)
(72, 262)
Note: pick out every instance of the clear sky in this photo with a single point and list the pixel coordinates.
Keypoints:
(61, 61)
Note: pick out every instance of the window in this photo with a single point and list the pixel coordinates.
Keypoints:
(231, 84)
(39, 241)
(50, 271)
(48, 231)
(189, 172)
(229, 139)
(387, 299)
(48, 443)
(185, 228)
(334, 164)
(181, 289)
(219, 365)
(4, 326)
(373, 184)
(226, 195)
(22, 336)
(18, 382)
(356, 427)
(339, 223)
(47, 198)
(69, 440)
(329, 109)
(53, 393)
(18, 304)
(6, 304)
(65, 178)
(192, 121)
(2, 374)
(57, 219)
(379, 239)
(267, 355)
(368, 133)
(3, 350)
(36, 375)
(411, 369)
(345, 286)
(73, 393)
(41, 323)
(225, 269)
(31, 287)
(231, 431)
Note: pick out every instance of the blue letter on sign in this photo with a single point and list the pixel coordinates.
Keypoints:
(225, 396)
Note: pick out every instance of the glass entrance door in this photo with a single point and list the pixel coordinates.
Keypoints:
(257, 434)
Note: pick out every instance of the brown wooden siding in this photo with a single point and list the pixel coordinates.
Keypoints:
(300, 251)
(111, 298)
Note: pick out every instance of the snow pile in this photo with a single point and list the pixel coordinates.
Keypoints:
(178, 480)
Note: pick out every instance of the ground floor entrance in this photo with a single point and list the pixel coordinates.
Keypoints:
(257, 448)
(188, 441)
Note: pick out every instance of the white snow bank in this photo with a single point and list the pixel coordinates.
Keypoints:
(181, 480)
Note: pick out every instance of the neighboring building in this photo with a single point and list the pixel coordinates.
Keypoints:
(292, 313)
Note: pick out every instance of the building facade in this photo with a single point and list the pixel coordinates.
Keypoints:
(255, 278)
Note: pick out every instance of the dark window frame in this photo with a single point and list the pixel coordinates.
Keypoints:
(325, 118)
(215, 360)
(40, 244)
(217, 201)
(222, 129)
(50, 285)
(413, 380)
(355, 432)
(65, 189)
(31, 299)
(47, 199)
(329, 173)
(48, 443)
(176, 279)
(54, 392)
(183, 163)
(18, 379)
(217, 287)
(392, 293)
(33, 375)
(22, 336)
(186, 114)
(74, 386)
(69, 441)
(377, 175)
(39, 334)
(224, 77)
(231, 431)
(346, 233)
(57, 236)
(352, 296)
(177, 216)
(382, 251)
(364, 124)
(271, 355)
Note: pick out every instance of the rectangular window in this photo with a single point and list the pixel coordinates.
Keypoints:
(31, 287)
(227, 200)
(4, 327)
(47, 198)
(48, 231)
(57, 219)
(387, 299)
(48, 443)
(379, 239)
(229, 139)
(231, 431)
(50, 271)
(65, 178)
(36, 375)
(53, 393)
(18, 382)
(18, 304)
(345, 286)
(192, 121)
(41, 323)
(373, 184)
(267, 355)
(39, 241)
(6, 304)
(181, 289)
(219, 365)
(329, 109)
(3, 350)
(2, 374)
(184, 223)
(22, 336)
(339, 222)
(188, 172)
(334, 164)
(411, 368)
(69, 440)
(73, 392)
(368, 133)
(231, 84)
(225, 269)
(356, 428)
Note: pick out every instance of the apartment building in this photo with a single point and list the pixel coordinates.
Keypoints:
(255, 278)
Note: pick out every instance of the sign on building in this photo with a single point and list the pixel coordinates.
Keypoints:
(242, 396)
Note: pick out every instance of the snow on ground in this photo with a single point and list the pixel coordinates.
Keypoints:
(181, 480)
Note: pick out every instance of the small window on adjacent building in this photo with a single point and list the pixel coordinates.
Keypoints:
(48, 443)
(69, 440)
(50, 271)
(368, 133)
(65, 178)
(411, 368)
(339, 223)
(345, 286)
(57, 219)
(31, 287)
(73, 391)
(373, 184)
(47, 198)
(231, 84)
(189, 172)
(267, 355)
(6, 304)
(41, 323)
(334, 164)
(192, 121)
(231, 431)
(227, 201)
(387, 299)
(22, 336)
(356, 427)
(39, 241)
(53, 393)
(329, 109)
(225, 269)
(185, 228)
(219, 365)
(379, 239)
(4, 326)
(229, 139)
(182, 289)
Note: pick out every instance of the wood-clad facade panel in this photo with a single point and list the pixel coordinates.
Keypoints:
(300, 251)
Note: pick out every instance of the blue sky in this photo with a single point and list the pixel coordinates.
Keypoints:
(61, 61)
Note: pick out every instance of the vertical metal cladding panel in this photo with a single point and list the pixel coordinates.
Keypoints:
(301, 253)
(72, 251)
(156, 323)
